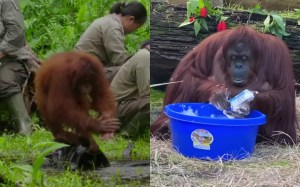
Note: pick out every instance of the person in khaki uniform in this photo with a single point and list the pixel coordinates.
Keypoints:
(105, 37)
(131, 87)
(14, 68)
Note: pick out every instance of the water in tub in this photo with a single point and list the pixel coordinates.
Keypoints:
(190, 112)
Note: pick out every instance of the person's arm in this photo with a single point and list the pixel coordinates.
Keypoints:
(14, 36)
(114, 45)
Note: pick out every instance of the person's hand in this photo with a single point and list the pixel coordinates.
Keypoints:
(2, 55)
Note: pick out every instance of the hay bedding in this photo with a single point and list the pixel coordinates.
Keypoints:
(268, 166)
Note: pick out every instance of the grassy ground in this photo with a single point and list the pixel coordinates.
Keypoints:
(17, 152)
(156, 102)
(156, 98)
(268, 166)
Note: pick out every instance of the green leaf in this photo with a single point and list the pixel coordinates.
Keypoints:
(201, 4)
(257, 6)
(38, 162)
(52, 148)
(279, 20)
(298, 22)
(258, 11)
(267, 23)
(44, 144)
(188, 9)
(186, 22)
(278, 34)
(26, 172)
(28, 140)
(26, 168)
(208, 5)
(272, 30)
(224, 18)
(191, 7)
(203, 24)
(283, 32)
(197, 27)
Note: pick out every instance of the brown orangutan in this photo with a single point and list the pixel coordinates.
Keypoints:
(232, 61)
(68, 85)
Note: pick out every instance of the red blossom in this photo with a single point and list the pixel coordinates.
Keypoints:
(221, 26)
(203, 12)
(192, 19)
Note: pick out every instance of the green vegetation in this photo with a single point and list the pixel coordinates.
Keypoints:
(199, 10)
(156, 96)
(53, 26)
(274, 23)
(21, 159)
(156, 103)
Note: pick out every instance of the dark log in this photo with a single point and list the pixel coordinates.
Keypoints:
(266, 4)
(169, 43)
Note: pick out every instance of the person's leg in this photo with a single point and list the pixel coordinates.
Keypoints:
(134, 116)
(12, 76)
(110, 72)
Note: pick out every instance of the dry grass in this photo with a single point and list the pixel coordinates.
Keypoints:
(268, 166)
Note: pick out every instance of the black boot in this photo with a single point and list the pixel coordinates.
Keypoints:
(19, 113)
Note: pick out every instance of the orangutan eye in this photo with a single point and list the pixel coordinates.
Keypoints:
(244, 57)
(233, 57)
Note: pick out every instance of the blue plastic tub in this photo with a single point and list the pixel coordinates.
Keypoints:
(199, 130)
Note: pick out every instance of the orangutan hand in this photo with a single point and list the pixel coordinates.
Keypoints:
(219, 98)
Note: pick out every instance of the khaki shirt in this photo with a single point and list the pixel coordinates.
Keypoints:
(12, 34)
(105, 39)
(133, 79)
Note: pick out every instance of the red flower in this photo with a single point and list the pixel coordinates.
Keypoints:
(221, 26)
(203, 12)
(192, 19)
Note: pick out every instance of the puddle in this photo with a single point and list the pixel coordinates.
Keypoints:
(125, 170)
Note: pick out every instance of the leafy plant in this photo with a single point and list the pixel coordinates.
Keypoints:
(197, 13)
(56, 25)
(33, 176)
(16, 151)
(298, 15)
(274, 23)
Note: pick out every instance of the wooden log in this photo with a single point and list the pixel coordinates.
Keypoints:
(266, 4)
(169, 43)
